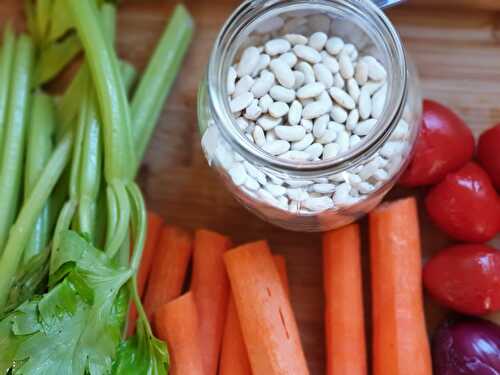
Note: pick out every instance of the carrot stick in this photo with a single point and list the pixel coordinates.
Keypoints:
(269, 328)
(169, 268)
(280, 262)
(344, 317)
(177, 323)
(400, 343)
(155, 224)
(234, 355)
(210, 288)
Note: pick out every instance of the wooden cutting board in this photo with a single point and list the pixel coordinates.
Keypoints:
(457, 52)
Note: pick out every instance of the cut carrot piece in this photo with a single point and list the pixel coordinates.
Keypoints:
(210, 287)
(177, 323)
(155, 225)
(344, 316)
(269, 328)
(400, 342)
(169, 269)
(234, 355)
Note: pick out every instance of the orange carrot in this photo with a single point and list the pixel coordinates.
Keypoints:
(155, 224)
(234, 355)
(280, 262)
(177, 323)
(269, 328)
(169, 269)
(210, 288)
(344, 317)
(400, 342)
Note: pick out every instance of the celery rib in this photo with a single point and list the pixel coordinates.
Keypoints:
(6, 61)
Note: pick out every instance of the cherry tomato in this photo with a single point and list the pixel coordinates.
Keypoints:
(465, 205)
(488, 153)
(445, 143)
(465, 278)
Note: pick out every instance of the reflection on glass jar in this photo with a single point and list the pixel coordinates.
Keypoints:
(317, 157)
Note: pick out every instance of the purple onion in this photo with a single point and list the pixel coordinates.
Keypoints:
(468, 347)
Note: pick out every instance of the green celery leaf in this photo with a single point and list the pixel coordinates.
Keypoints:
(75, 328)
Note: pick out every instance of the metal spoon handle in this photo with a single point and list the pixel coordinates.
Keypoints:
(387, 3)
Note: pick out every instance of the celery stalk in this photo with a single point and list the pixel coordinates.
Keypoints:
(159, 77)
(39, 149)
(14, 143)
(31, 209)
(6, 60)
(113, 103)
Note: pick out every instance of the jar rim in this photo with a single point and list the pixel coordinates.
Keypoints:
(253, 11)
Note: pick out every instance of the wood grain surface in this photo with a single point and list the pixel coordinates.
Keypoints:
(457, 52)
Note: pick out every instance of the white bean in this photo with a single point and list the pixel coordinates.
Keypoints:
(238, 174)
(314, 110)
(253, 111)
(231, 80)
(375, 69)
(345, 66)
(328, 137)
(289, 58)
(338, 81)
(263, 63)
(336, 126)
(283, 73)
(277, 46)
(242, 123)
(271, 136)
(259, 136)
(310, 90)
(378, 102)
(318, 40)
(268, 122)
(252, 184)
(295, 113)
(315, 150)
(372, 87)
(243, 85)
(296, 39)
(297, 194)
(275, 190)
(342, 98)
(365, 104)
(318, 204)
(364, 127)
(307, 53)
(365, 188)
(299, 183)
(307, 70)
(352, 119)
(351, 51)
(330, 151)
(323, 75)
(248, 62)
(282, 94)
(381, 175)
(354, 140)
(290, 133)
(306, 124)
(255, 173)
(343, 141)
(267, 197)
(324, 97)
(401, 131)
(320, 126)
(334, 45)
(361, 73)
(353, 89)
(265, 102)
(338, 114)
(330, 62)
(295, 155)
(278, 109)
(263, 84)
(299, 79)
(368, 169)
(323, 188)
(277, 147)
(240, 102)
(303, 143)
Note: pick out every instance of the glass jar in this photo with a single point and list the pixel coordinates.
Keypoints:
(286, 193)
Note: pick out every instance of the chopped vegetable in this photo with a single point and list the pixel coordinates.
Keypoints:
(487, 153)
(344, 316)
(467, 347)
(465, 278)
(267, 321)
(465, 205)
(445, 143)
(399, 332)
(6, 62)
(168, 272)
(210, 288)
(177, 323)
(234, 355)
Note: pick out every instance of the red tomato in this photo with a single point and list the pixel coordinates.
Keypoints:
(465, 205)
(488, 153)
(445, 143)
(465, 278)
